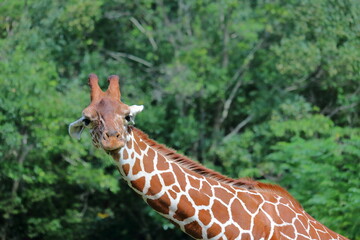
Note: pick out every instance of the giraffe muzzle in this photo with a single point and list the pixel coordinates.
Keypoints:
(112, 141)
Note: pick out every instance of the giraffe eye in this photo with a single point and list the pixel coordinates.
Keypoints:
(128, 118)
(86, 121)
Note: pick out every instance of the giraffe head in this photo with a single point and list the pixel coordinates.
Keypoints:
(106, 117)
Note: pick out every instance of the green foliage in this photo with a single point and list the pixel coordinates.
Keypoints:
(308, 155)
(266, 89)
(328, 163)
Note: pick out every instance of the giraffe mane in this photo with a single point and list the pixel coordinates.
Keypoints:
(247, 182)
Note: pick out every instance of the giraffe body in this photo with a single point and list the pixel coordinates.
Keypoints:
(208, 209)
(201, 202)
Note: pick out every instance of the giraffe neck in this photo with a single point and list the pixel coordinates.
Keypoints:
(205, 208)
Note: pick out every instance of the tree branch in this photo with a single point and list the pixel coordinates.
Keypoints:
(238, 127)
(341, 108)
(144, 31)
(184, 12)
(118, 55)
(236, 77)
(225, 37)
(25, 151)
(85, 197)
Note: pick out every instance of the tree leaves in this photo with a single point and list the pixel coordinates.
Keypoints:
(268, 90)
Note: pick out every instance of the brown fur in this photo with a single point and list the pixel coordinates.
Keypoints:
(185, 162)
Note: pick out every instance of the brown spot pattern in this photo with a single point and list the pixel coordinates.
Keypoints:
(214, 230)
(323, 235)
(251, 201)
(246, 236)
(262, 224)
(173, 195)
(193, 229)
(195, 183)
(161, 204)
(138, 183)
(271, 210)
(137, 167)
(206, 188)
(162, 163)
(149, 166)
(180, 177)
(199, 198)
(287, 230)
(129, 144)
(176, 189)
(224, 195)
(185, 209)
(232, 232)
(304, 221)
(285, 213)
(220, 211)
(126, 168)
(312, 231)
(142, 145)
(155, 186)
(239, 215)
(125, 154)
(168, 178)
(204, 216)
(136, 138)
(299, 227)
(137, 149)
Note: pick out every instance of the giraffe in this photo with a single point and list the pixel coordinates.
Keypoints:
(201, 202)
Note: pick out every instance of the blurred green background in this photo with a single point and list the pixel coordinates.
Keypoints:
(268, 89)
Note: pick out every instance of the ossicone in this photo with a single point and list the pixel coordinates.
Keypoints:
(113, 90)
(96, 91)
(114, 87)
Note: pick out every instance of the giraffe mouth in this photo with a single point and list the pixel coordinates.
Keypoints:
(113, 149)
(112, 143)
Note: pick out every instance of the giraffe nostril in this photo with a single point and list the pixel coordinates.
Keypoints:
(109, 134)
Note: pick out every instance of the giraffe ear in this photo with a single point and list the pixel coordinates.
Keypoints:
(76, 128)
(134, 109)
